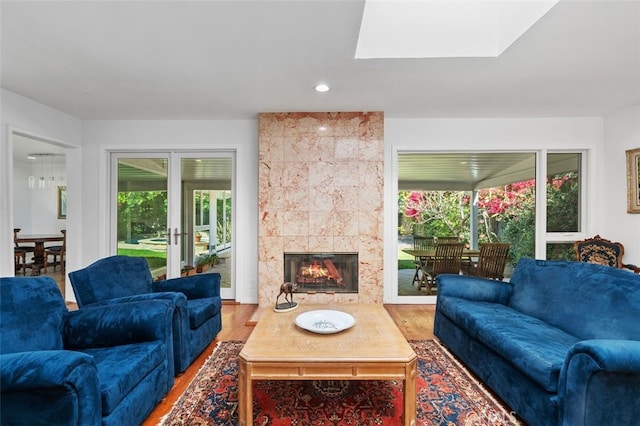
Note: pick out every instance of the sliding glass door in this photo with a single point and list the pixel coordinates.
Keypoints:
(175, 210)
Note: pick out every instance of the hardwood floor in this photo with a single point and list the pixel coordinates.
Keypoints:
(414, 321)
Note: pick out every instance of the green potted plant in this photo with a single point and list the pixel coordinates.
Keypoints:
(202, 263)
(213, 259)
(187, 270)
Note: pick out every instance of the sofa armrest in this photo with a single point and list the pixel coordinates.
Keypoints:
(177, 298)
(119, 324)
(25, 375)
(474, 288)
(197, 286)
(600, 382)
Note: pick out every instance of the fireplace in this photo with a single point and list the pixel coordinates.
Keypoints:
(322, 272)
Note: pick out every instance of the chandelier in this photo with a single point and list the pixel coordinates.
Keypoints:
(51, 172)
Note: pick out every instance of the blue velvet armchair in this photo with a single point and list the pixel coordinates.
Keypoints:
(196, 299)
(100, 366)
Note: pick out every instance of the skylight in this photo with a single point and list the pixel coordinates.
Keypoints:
(445, 28)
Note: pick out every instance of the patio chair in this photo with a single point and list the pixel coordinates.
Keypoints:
(603, 252)
(491, 261)
(449, 239)
(197, 302)
(447, 260)
(422, 243)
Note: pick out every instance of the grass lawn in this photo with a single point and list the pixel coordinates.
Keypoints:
(405, 261)
(155, 259)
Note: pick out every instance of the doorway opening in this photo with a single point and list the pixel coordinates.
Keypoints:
(39, 201)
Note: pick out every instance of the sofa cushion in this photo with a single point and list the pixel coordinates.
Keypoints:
(535, 348)
(200, 310)
(585, 300)
(122, 368)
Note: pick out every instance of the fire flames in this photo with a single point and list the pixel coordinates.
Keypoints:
(314, 270)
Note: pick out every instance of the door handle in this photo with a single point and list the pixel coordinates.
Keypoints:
(176, 235)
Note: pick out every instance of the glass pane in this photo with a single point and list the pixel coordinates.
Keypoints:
(560, 251)
(197, 198)
(205, 202)
(477, 197)
(142, 211)
(208, 230)
(563, 192)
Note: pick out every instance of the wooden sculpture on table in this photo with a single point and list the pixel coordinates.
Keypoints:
(287, 289)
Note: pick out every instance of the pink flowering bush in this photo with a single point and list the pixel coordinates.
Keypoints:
(505, 213)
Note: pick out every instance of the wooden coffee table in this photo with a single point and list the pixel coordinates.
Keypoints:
(373, 349)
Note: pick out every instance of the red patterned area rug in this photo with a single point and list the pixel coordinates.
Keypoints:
(446, 395)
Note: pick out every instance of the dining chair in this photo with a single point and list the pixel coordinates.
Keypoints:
(56, 251)
(20, 252)
(447, 260)
(27, 248)
(603, 252)
(20, 260)
(422, 243)
(491, 261)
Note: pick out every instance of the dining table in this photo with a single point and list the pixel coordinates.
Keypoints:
(38, 241)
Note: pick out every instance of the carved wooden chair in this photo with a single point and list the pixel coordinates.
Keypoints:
(603, 252)
(491, 261)
(447, 260)
(56, 251)
(422, 243)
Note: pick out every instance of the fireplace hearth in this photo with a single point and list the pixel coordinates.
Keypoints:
(322, 272)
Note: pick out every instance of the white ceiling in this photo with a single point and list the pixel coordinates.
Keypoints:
(234, 59)
(24, 145)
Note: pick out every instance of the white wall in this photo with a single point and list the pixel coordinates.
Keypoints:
(21, 199)
(99, 137)
(621, 132)
(482, 135)
(26, 116)
(35, 211)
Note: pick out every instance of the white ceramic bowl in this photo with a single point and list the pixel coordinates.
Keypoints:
(325, 321)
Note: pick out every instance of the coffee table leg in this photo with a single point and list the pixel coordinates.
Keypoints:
(410, 393)
(245, 397)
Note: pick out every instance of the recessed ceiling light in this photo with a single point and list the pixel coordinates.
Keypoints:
(322, 88)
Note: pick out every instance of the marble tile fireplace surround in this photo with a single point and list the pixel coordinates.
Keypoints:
(321, 191)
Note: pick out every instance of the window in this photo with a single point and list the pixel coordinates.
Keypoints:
(564, 201)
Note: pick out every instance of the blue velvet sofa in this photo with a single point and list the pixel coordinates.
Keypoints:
(103, 366)
(560, 343)
(197, 303)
